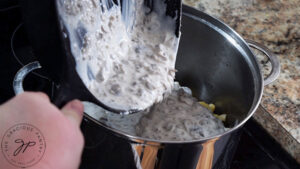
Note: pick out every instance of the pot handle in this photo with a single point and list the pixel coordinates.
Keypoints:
(273, 59)
(21, 74)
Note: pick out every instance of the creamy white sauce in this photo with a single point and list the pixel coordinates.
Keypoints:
(126, 59)
(179, 117)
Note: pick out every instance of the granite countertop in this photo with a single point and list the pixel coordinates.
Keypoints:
(275, 24)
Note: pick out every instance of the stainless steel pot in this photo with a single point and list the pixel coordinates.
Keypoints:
(219, 67)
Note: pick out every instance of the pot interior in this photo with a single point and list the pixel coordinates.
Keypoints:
(217, 70)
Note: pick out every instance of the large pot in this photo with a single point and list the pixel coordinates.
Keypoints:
(219, 67)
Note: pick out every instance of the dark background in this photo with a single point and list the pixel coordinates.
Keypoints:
(256, 150)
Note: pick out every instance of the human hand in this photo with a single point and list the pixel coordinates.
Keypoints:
(53, 139)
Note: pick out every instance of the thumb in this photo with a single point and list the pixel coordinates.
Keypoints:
(73, 111)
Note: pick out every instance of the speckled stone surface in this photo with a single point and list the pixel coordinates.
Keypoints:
(275, 24)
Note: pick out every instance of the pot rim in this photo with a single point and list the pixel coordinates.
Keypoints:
(257, 95)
